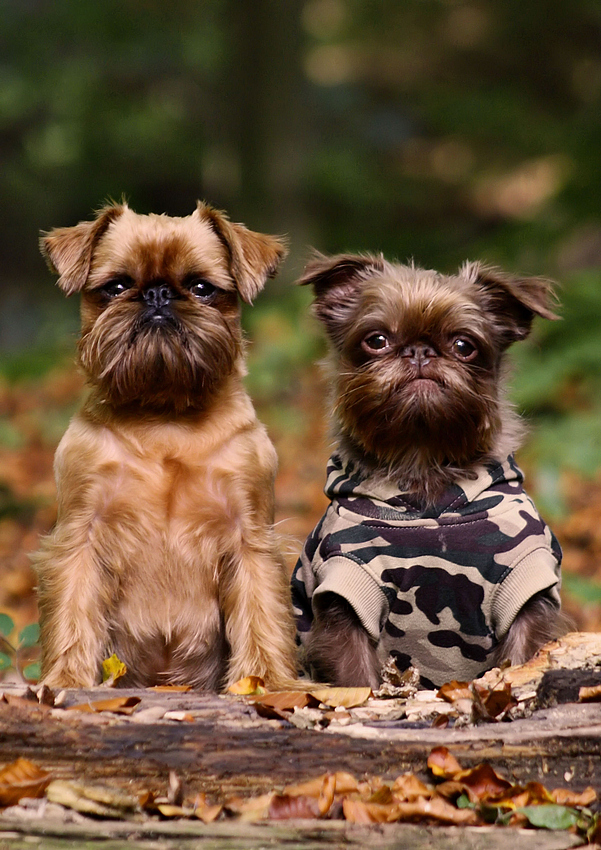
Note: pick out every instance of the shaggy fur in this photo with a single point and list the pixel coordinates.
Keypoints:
(164, 550)
(417, 378)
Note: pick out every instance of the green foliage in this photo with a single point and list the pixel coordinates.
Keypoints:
(26, 641)
(558, 380)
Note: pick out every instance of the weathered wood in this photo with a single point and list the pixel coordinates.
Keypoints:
(293, 835)
(226, 749)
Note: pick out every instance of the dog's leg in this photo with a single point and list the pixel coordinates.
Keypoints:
(340, 650)
(74, 595)
(538, 622)
(258, 616)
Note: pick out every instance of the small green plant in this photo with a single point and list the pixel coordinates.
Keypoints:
(27, 639)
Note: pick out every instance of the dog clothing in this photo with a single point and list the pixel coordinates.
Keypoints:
(438, 587)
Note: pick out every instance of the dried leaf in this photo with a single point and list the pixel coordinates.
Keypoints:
(453, 691)
(286, 807)
(116, 705)
(287, 700)
(443, 764)
(249, 686)
(482, 782)
(205, 811)
(345, 697)
(22, 778)
(181, 716)
(567, 797)
(112, 670)
(91, 799)
(592, 694)
(408, 787)
(345, 783)
(169, 810)
(250, 810)
(171, 688)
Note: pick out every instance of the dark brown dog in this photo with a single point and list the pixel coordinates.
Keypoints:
(164, 550)
(430, 550)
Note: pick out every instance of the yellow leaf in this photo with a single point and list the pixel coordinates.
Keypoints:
(249, 686)
(112, 669)
(345, 697)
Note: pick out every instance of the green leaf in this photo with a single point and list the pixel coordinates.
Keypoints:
(463, 802)
(6, 624)
(551, 816)
(33, 671)
(29, 636)
(5, 661)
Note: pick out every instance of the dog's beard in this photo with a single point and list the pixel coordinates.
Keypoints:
(174, 363)
(420, 430)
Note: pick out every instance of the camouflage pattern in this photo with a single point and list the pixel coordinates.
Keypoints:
(437, 588)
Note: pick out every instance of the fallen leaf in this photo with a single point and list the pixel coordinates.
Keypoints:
(249, 686)
(91, 799)
(287, 700)
(116, 705)
(408, 787)
(181, 716)
(345, 697)
(452, 691)
(204, 811)
(171, 688)
(286, 807)
(250, 810)
(22, 778)
(482, 782)
(442, 763)
(551, 816)
(592, 694)
(567, 797)
(345, 783)
(112, 670)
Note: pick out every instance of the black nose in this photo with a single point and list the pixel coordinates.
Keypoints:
(158, 294)
(419, 354)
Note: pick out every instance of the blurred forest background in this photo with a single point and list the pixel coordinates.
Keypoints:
(438, 130)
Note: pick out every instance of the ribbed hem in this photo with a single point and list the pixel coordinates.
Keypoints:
(535, 573)
(349, 580)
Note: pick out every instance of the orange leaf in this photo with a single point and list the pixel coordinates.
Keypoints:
(408, 787)
(567, 797)
(116, 705)
(22, 778)
(452, 691)
(443, 764)
(285, 807)
(287, 700)
(172, 688)
(482, 782)
(205, 811)
(592, 694)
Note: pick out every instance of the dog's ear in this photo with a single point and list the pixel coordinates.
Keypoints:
(254, 257)
(512, 301)
(68, 250)
(336, 282)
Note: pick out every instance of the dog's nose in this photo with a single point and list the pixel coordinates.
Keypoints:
(158, 294)
(419, 353)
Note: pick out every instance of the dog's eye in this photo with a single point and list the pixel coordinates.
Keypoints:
(202, 288)
(375, 343)
(464, 348)
(116, 286)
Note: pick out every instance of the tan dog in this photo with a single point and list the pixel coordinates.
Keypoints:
(164, 550)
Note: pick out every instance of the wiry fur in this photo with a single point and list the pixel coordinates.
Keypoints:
(164, 550)
(415, 412)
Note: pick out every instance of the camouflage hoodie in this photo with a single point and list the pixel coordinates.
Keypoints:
(437, 588)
